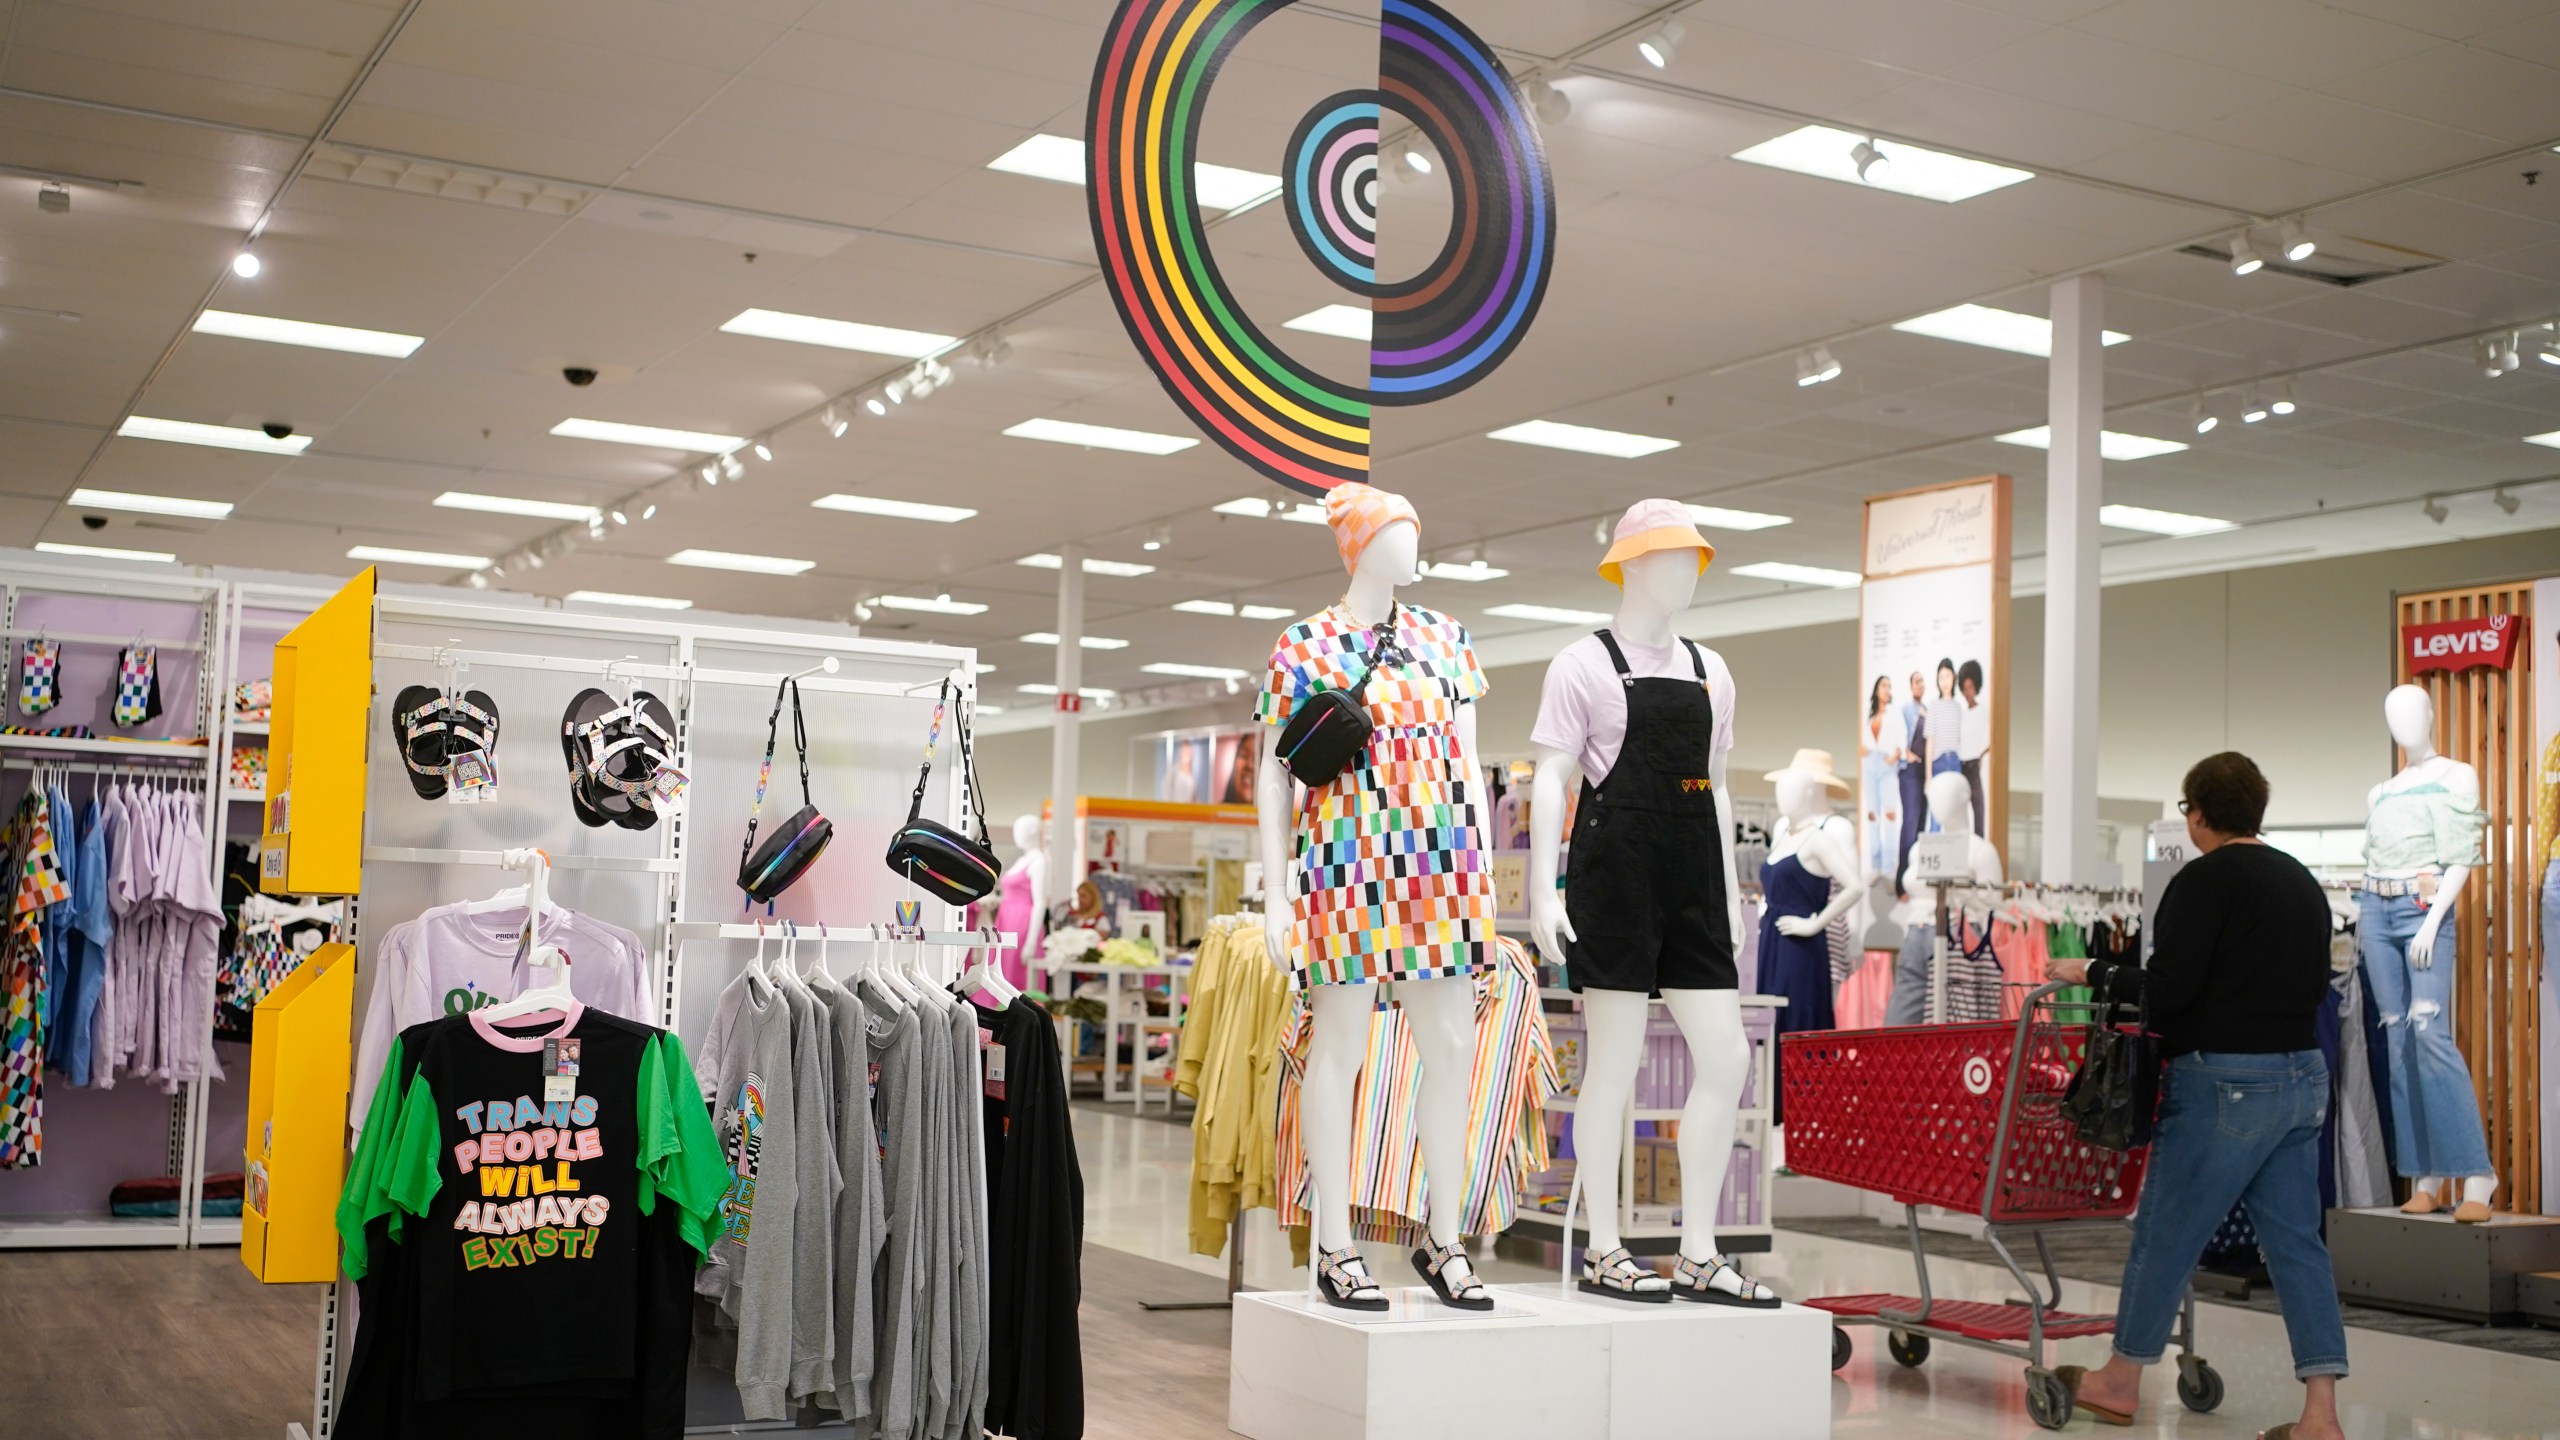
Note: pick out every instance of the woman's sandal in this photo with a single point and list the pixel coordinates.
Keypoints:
(1695, 1280)
(1618, 1276)
(1432, 1262)
(2071, 1376)
(418, 719)
(1344, 1278)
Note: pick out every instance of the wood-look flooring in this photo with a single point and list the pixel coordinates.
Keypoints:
(187, 1345)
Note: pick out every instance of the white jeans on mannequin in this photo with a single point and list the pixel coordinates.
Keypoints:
(1442, 1015)
(1613, 1049)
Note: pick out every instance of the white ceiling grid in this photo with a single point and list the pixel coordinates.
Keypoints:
(583, 182)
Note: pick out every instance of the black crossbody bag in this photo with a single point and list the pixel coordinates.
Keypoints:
(950, 865)
(766, 870)
(2115, 1094)
(1329, 728)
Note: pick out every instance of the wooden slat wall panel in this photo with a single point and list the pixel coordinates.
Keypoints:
(2484, 718)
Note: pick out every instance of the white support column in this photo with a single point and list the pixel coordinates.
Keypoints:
(1064, 841)
(2076, 404)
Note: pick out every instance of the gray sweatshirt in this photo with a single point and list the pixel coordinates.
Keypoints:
(934, 1231)
(813, 1105)
(748, 1065)
(895, 1042)
(969, 1233)
(861, 1226)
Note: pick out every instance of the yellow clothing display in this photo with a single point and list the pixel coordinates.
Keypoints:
(2546, 808)
(1228, 1062)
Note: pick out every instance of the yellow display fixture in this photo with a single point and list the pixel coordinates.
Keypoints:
(299, 1060)
(314, 825)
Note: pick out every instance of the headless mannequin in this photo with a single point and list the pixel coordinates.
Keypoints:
(1950, 801)
(2411, 715)
(1441, 1011)
(1658, 587)
(1034, 862)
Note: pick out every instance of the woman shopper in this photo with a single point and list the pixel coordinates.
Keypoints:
(2239, 967)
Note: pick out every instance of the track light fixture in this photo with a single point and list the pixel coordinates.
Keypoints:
(1551, 104)
(649, 512)
(1658, 47)
(2245, 259)
(2434, 509)
(710, 474)
(2252, 409)
(1416, 161)
(1157, 538)
(2283, 404)
(1815, 366)
(875, 403)
(834, 420)
(1600, 531)
(731, 467)
(2298, 244)
(53, 198)
(2506, 502)
(764, 451)
(1872, 163)
(2511, 351)
(2203, 419)
(246, 264)
(2546, 346)
(2492, 364)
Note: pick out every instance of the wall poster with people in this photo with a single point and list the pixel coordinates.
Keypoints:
(1209, 766)
(1933, 663)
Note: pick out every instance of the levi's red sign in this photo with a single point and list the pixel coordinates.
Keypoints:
(2461, 644)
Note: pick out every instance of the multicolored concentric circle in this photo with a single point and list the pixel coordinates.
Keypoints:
(1435, 334)
(1331, 185)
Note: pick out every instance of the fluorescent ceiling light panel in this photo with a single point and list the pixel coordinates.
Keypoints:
(1304, 512)
(1350, 322)
(435, 559)
(931, 604)
(1193, 672)
(1124, 569)
(636, 602)
(88, 499)
(1088, 692)
(893, 509)
(1717, 517)
(302, 332)
(840, 334)
(2548, 437)
(1785, 573)
(510, 505)
(700, 442)
(1056, 157)
(1222, 608)
(105, 552)
(1550, 614)
(1100, 437)
(2160, 522)
(750, 564)
(1085, 642)
(2111, 444)
(1913, 170)
(1556, 435)
(1995, 329)
(220, 437)
(1470, 572)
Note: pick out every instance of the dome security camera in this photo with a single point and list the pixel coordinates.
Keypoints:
(277, 430)
(93, 522)
(579, 375)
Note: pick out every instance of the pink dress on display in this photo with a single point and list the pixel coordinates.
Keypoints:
(1014, 917)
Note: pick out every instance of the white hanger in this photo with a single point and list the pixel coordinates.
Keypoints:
(883, 987)
(818, 958)
(755, 962)
(555, 993)
(984, 972)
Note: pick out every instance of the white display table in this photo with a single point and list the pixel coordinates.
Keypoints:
(1547, 1364)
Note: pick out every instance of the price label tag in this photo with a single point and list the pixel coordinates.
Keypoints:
(668, 785)
(474, 779)
(1942, 857)
(2170, 842)
(271, 861)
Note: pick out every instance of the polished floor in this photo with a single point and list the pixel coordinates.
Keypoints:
(1136, 1185)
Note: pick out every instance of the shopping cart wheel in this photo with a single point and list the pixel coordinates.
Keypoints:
(2048, 1403)
(1909, 1351)
(2199, 1385)
(1839, 1347)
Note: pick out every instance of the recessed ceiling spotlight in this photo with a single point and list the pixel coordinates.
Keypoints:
(2203, 419)
(1815, 366)
(1658, 47)
(2283, 403)
(246, 264)
(2245, 259)
(2298, 244)
(2252, 409)
(1871, 162)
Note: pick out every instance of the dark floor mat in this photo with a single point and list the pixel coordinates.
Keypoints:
(2097, 1256)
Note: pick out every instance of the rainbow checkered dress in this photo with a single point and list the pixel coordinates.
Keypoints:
(28, 841)
(1392, 881)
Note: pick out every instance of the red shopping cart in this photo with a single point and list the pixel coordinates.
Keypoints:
(1969, 1117)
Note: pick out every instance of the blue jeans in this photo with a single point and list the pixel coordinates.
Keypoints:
(2235, 1128)
(2435, 1115)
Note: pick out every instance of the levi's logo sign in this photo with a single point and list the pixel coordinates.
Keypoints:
(1692, 787)
(2461, 644)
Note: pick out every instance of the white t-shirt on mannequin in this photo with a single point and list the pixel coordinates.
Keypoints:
(1582, 709)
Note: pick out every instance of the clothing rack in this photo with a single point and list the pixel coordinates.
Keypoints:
(853, 934)
(162, 773)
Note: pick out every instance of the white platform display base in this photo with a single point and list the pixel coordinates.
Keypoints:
(1547, 1364)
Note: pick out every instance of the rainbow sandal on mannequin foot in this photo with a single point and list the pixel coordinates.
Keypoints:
(1618, 1276)
(1695, 1280)
(1439, 1263)
(1344, 1278)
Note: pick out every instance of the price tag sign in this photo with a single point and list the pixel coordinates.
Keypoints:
(2170, 843)
(271, 861)
(1942, 858)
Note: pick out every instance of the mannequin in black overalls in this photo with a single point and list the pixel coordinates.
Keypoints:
(1649, 906)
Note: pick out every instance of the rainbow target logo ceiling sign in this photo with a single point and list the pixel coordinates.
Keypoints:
(1433, 334)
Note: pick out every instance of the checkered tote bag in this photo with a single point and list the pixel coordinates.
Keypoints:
(39, 676)
(138, 685)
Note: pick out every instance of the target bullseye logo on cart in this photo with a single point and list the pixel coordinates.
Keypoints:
(1432, 335)
(1977, 1075)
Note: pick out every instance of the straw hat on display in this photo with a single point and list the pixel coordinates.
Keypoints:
(1813, 765)
(1651, 525)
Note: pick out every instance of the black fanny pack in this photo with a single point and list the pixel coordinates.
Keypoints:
(766, 870)
(1327, 729)
(950, 865)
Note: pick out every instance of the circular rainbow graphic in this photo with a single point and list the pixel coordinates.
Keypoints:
(1433, 334)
